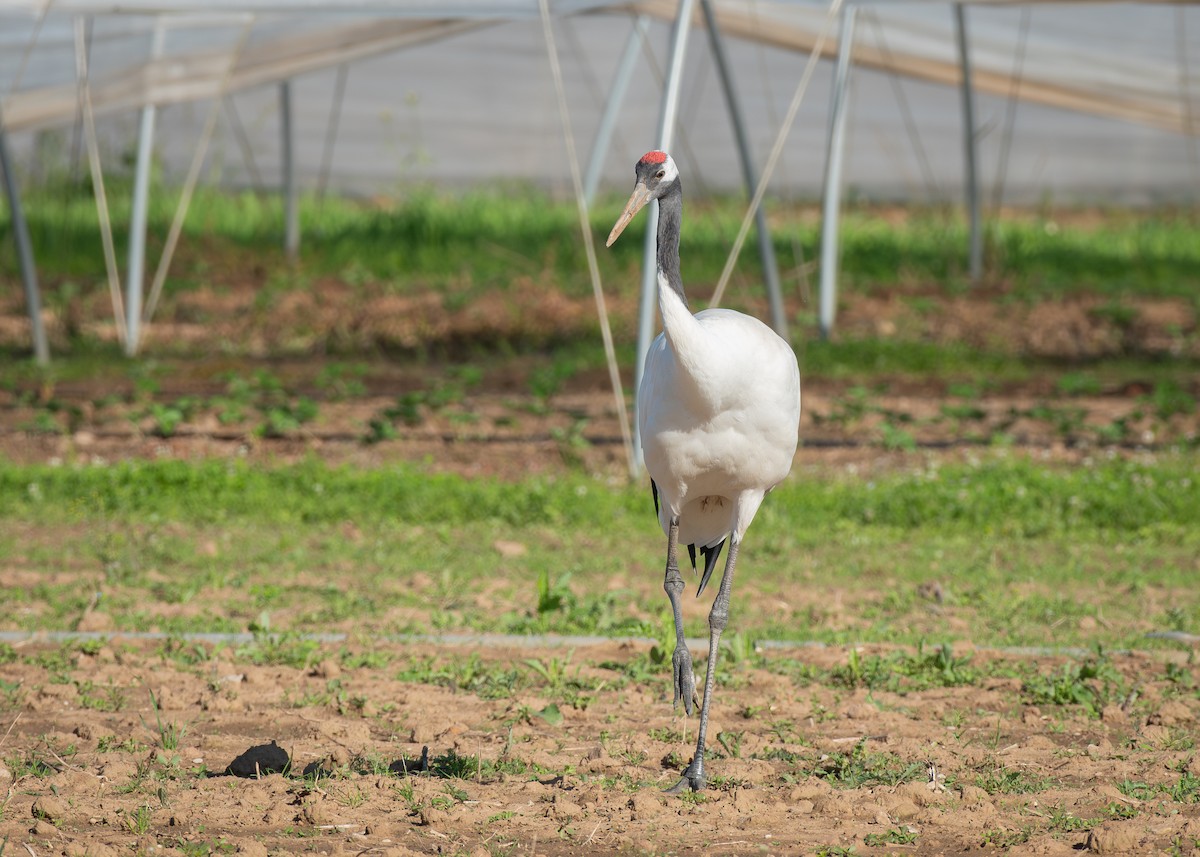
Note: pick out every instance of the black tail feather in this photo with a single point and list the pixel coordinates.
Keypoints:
(692, 554)
(654, 491)
(710, 562)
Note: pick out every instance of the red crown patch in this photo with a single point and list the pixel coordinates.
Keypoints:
(654, 157)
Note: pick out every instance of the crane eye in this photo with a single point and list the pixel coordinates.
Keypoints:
(660, 174)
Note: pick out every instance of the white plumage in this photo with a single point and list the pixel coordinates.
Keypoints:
(719, 414)
(718, 411)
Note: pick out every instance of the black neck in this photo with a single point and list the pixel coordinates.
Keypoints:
(670, 218)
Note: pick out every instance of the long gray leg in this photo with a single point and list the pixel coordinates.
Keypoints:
(694, 777)
(681, 660)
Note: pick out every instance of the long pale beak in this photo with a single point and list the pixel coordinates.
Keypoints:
(639, 198)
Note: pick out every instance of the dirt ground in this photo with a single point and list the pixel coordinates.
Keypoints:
(128, 747)
(496, 424)
(142, 746)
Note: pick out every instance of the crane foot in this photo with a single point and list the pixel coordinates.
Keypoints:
(693, 779)
(685, 678)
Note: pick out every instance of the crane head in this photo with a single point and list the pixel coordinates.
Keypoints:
(656, 173)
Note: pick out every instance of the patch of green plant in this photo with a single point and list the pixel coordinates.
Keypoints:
(558, 608)
(1169, 398)
(487, 679)
(997, 778)
(861, 767)
(1091, 684)
(1137, 790)
(1077, 384)
(1116, 313)
(1184, 790)
(113, 744)
(371, 659)
(169, 733)
(100, 698)
(894, 836)
(10, 694)
(896, 439)
(1066, 420)
(204, 848)
(269, 649)
(962, 411)
(902, 671)
(166, 418)
(32, 763)
(188, 653)
(836, 851)
(1064, 821)
(999, 837)
(1117, 810)
(341, 381)
(138, 822)
(453, 766)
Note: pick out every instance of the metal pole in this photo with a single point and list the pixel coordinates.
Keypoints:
(291, 213)
(134, 284)
(972, 170)
(833, 174)
(612, 107)
(766, 250)
(33, 299)
(335, 120)
(666, 128)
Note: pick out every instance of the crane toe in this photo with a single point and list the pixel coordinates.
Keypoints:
(685, 679)
(693, 779)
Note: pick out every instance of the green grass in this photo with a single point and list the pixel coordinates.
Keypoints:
(491, 236)
(1025, 554)
(861, 767)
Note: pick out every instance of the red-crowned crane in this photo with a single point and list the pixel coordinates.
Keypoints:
(719, 413)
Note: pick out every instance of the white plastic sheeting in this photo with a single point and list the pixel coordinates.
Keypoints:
(1098, 101)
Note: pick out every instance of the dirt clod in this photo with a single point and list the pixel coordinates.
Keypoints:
(48, 808)
(431, 816)
(260, 760)
(1112, 838)
(1173, 712)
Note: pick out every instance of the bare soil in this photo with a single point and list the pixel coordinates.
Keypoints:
(127, 746)
(82, 764)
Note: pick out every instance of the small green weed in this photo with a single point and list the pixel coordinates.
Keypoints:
(138, 822)
(1091, 684)
(996, 778)
(169, 733)
(1064, 821)
(895, 836)
(453, 766)
(862, 768)
(201, 848)
(1117, 810)
(113, 744)
(997, 837)
(901, 671)
(32, 764)
(269, 649)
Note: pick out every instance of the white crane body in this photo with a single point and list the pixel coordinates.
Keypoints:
(719, 413)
